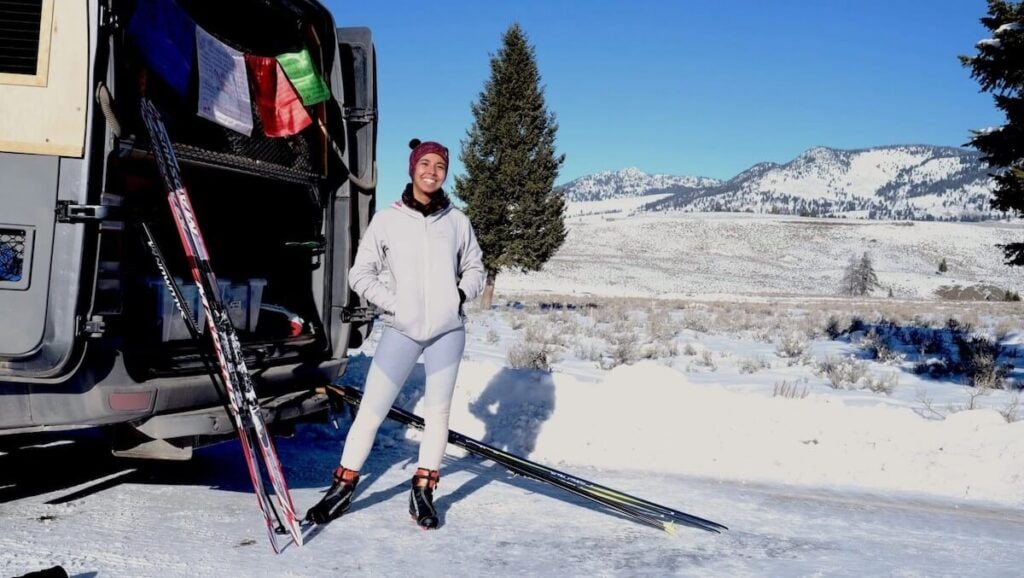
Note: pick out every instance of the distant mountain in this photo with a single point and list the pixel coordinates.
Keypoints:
(631, 182)
(917, 182)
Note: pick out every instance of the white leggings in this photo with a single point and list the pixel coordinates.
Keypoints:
(393, 361)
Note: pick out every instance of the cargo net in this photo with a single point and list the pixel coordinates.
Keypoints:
(198, 140)
(12, 254)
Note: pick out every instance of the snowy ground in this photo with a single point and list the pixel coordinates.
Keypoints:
(616, 253)
(842, 481)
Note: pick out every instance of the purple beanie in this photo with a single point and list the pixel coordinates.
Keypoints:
(424, 148)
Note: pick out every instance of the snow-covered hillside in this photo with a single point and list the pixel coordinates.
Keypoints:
(688, 254)
(613, 207)
(918, 182)
(630, 182)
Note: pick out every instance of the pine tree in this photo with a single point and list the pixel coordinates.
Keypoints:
(998, 67)
(849, 284)
(867, 276)
(511, 166)
(943, 267)
(859, 277)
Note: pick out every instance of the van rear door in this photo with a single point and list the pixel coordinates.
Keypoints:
(44, 77)
(354, 204)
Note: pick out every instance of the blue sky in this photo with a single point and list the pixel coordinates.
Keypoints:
(682, 87)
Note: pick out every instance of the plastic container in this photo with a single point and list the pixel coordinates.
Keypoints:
(171, 327)
(242, 300)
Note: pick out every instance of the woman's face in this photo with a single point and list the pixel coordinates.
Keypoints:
(429, 173)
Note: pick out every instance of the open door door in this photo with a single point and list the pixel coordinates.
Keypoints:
(42, 162)
(358, 103)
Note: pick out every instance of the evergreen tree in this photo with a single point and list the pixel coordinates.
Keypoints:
(942, 266)
(859, 277)
(511, 166)
(998, 67)
(867, 276)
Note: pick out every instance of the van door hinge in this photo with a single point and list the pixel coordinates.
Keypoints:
(354, 114)
(92, 327)
(357, 314)
(67, 212)
(108, 18)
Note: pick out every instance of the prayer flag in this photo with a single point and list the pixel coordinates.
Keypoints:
(279, 106)
(165, 36)
(223, 84)
(298, 67)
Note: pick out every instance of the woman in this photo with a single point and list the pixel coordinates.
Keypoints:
(427, 254)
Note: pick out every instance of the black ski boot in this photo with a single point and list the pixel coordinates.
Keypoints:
(421, 498)
(338, 498)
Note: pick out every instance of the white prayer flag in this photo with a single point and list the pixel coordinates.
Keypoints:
(223, 84)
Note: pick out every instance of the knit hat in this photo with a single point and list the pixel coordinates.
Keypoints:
(424, 148)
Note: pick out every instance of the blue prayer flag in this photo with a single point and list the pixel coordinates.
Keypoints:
(166, 37)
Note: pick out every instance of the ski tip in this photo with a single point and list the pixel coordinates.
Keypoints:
(713, 528)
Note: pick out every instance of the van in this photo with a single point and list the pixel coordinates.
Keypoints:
(89, 335)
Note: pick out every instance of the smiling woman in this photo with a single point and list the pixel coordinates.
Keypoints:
(427, 254)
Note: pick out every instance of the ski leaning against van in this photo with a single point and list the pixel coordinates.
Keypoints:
(419, 262)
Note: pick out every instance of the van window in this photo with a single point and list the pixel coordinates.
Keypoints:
(25, 41)
(12, 254)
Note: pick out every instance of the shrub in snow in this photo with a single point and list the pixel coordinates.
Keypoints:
(689, 350)
(540, 331)
(530, 355)
(615, 311)
(1003, 329)
(623, 352)
(765, 334)
(791, 345)
(934, 342)
(659, 350)
(958, 327)
(696, 321)
(1010, 410)
(492, 336)
(660, 325)
(856, 324)
(789, 390)
(881, 383)
(877, 347)
(516, 319)
(843, 373)
(753, 364)
(564, 324)
(589, 349)
(707, 360)
(832, 328)
(979, 362)
(933, 367)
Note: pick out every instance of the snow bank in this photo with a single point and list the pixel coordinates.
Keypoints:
(650, 417)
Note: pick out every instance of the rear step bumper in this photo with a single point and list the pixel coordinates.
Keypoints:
(215, 421)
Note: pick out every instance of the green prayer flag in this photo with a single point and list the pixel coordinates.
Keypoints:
(298, 67)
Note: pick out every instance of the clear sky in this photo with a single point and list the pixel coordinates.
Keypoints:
(684, 87)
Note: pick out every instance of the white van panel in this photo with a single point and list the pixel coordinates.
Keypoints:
(48, 116)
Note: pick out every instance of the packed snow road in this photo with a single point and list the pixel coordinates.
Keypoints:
(70, 504)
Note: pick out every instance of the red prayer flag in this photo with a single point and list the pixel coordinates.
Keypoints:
(279, 105)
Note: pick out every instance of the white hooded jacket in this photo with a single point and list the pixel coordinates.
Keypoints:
(412, 266)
